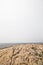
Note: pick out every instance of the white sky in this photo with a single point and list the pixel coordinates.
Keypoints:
(21, 21)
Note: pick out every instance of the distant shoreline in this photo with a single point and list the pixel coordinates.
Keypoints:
(4, 45)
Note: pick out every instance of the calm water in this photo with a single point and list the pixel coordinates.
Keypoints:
(3, 45)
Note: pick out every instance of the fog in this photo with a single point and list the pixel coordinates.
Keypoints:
(21, 21)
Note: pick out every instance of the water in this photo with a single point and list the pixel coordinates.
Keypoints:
(3, 45)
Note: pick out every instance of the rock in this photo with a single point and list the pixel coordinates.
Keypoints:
(22, 54)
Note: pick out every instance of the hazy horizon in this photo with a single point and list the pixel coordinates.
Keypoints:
(21, 21)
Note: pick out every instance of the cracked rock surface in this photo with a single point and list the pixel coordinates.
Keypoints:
(22, 54)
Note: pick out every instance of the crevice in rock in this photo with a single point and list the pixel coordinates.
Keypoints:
(12, 56)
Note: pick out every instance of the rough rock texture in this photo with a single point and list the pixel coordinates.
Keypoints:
(22, 54)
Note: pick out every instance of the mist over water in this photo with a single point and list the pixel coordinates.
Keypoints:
(21, 21)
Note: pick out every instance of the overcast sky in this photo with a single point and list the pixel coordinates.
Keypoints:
(21, 21)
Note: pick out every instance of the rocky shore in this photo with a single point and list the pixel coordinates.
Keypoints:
(22, 54)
